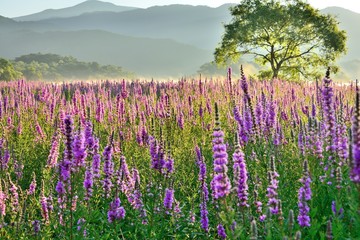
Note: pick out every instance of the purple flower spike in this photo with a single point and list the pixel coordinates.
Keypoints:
(116, 212)
(355, 171)
(221, 231)
(220, 184)
(240, 174)
(272, 193)
(108, 169)
(329, 113)
(304, 196)
(169, 198)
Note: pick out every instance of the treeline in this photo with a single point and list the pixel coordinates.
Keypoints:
(37, 66)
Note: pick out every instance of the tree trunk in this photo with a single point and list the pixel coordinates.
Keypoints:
(275, 73)
(276, 70)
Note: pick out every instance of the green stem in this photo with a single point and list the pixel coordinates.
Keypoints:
(70, 205)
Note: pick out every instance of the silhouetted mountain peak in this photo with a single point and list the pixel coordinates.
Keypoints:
(101, 31)
(6, 20)
(79, 9)
(338, 10)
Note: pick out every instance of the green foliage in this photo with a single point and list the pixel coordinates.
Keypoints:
(55, 67)
(7, 71)
(31, 151)
(290, 37)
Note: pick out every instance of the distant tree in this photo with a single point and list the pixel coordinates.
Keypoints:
(40, 58)
(37, 66)
(35, 70)
(7, 71)
(289, 36)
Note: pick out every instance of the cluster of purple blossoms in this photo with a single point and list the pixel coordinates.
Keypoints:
(221, 231)
(80, 224)
(66, 164)
(79, 150)
(169, 165)
(137, 202)
(125, 181)
(249, 110)
(40, 134)
(4, 159)
(108, 169)
(32, 186)
(88, 183)
(54, 151)
(204, 220)
(44, 208)
(329, 113)
(169, 199)
(154, 153)
(89, 138)
(272, 193)
(355, 170)
(14, 197)
(240, 174)
(116, 211)
(258, 204)
(220, 183)
(36, 226)
(337, 212)
(96, 163)
(304, 195)
(3, 198)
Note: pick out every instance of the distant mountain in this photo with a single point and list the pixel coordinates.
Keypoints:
(82, 8)
(144, 56)
(200, 26)
(348, 21)
(5, 20)
(175, 29)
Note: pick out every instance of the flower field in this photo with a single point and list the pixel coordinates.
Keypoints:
(194, 159)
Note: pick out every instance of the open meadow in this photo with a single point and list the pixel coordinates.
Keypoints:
(193, 159)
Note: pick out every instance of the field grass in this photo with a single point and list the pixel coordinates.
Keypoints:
(187, 159)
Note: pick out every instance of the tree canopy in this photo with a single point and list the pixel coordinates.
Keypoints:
(37, 66)
(290, 37)
(7, 71)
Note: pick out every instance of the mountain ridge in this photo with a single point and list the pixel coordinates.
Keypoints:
(140, 55)
(81, 8)
(198, 29)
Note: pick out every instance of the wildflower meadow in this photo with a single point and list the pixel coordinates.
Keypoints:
(230, 158)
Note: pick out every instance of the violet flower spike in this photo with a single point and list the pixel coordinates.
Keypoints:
(116, 212)
(108, 169)
(221, 231)
(220, 184)
(32, 186)
(304, 196)
(272, 193)
(79, 150)
(355, 165)
(169, 199)
(240, 174)
(3, 198)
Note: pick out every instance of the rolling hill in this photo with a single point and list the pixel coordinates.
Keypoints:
(200, 26)
(349, 21)
(160, 40)
(84, 7)
(145, 56)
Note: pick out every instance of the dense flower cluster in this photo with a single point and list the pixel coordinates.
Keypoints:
(304, 196)
(220, 184)
(61, 176)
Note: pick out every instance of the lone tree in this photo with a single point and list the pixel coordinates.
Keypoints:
(291, 36)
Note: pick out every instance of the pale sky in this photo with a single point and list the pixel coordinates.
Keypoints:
(15, 8)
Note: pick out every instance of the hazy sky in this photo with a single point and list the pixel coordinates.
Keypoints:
(15, 8)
